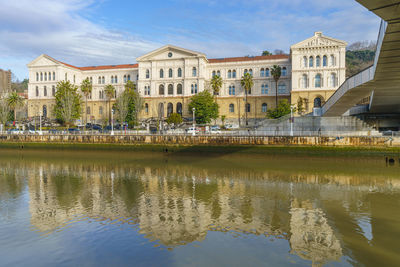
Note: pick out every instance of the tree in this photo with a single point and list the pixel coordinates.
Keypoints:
(266, 53)
(68, 102)
(110, 93)
(300, 106)
(122, 106)
(279, 52)
(216, 84)
(4, 110)
(174, 118)
(86, 88)
(206, 107)
(276, 73)
(282, 110)
(247, 83)
(135, 103)
(14, 101)
(223, 118)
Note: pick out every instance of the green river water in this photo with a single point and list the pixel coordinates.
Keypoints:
(108, 208)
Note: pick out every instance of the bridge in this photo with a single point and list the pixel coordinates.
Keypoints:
(379, 84)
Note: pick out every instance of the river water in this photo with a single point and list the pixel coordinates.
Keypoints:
(90, 208)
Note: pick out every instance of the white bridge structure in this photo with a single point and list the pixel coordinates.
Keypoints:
(378, 85)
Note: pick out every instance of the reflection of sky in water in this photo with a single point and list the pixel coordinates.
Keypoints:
(152, 214)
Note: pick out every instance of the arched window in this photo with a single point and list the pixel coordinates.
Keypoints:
(311, 62)
(318, 61)
(262, 73)
(324, 61)
(234, 74)
(229, 74)
(41, 76)
(88, 110)
(194, 72)
(305, 62)
(146, 108)
(266, 72)
(179, 108)
(161, 89)
(37, 91)
(91, 80)
(112, 79)
(232, 90)
(333, 80)
(129, 77)
(99, 82)
(248, 107)
(115, 79)
(179, 89)
(245, 71)
(284, 71)
(251, 72)
(170, 73)
(124, 78)
(53, 90)
(54, 76)
(231, 108)
(213, 74)
(333, 60)
(45, 76)
(264, 89)
(45, 91)
(103, 80)
(264, 107)
(147, 90)
(179, 72)
(317, 102)
(170, 109)
(282, 88)
(44, 114)
(219, 73)
(161, 73)
(304, 81)
(194, 89)
(147, 74)
(318, 81)
(37, 76)
(101, 110)
(170, 89)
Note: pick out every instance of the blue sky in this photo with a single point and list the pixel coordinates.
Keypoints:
(87, 32)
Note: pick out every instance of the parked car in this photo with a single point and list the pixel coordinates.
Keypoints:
(192, 130)
(74, 131)
(15, 131)
(231, 126)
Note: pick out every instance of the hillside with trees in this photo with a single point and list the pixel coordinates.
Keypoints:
(359, 55)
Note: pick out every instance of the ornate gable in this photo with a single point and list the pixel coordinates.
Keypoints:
(43, 61)
(169, 52)
(319, 40)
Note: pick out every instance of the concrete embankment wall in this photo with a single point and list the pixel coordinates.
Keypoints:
(203, 140)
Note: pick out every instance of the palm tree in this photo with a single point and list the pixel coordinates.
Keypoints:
(247, 83)
(86, 88)
(110, 92)
(14, 101)
(216, 84)
(276, 72)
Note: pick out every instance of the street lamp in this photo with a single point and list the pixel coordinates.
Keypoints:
(194, 121)
(112, 121)
(40, 123)
(292, 107)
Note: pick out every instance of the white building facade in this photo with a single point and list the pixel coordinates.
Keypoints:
(168, 77)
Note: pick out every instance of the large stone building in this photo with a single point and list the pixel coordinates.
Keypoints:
(168, 77)
(5, 81)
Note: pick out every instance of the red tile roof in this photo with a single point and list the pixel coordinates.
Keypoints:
(239, 59)
(105, 67)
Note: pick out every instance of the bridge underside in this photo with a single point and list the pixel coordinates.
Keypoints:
(381, 81)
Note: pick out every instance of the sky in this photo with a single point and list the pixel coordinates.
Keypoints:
(89, 32)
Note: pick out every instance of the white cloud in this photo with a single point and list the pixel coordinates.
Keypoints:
(219, 29)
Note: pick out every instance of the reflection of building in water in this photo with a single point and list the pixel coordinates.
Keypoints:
(179, 205)
(311, 236)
